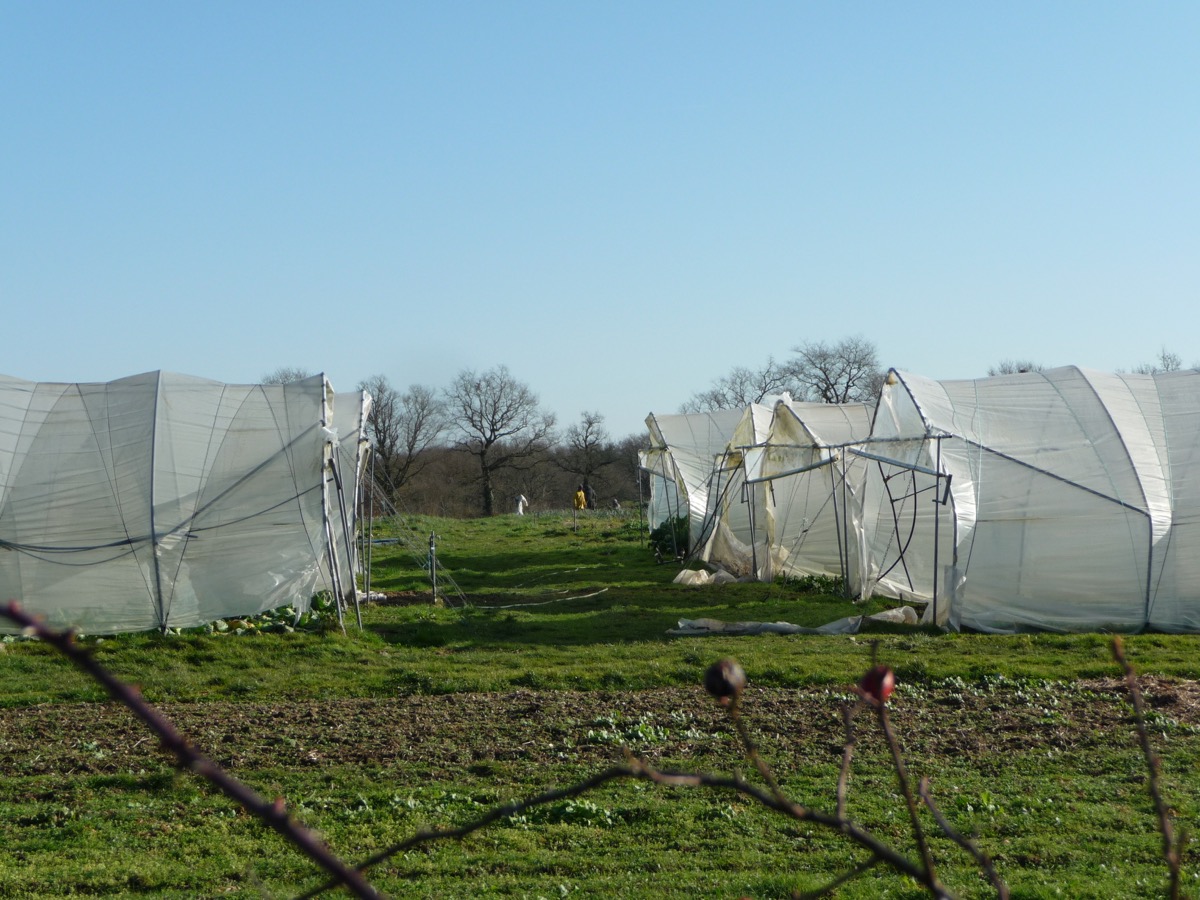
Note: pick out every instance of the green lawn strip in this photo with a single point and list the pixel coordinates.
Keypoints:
(426, 650)
(164, 835)
(295, 667)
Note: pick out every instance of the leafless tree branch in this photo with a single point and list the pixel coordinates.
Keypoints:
(861, 869)
(873, 691)
(843, 784)
(273, 814)
(982, 859)
(1171, 848)
(909, 799)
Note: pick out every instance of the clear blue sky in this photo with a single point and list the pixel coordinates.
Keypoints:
(619, 201)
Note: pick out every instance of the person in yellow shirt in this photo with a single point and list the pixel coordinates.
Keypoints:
(580, 498)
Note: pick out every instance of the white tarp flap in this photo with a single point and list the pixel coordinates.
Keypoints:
(1071, 502)
(162, 500)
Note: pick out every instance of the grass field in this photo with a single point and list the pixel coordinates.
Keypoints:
(549, 660)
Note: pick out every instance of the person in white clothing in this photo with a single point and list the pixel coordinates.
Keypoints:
(521, 504)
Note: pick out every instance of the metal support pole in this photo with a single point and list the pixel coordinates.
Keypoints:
(749, 493)
(937, 519)
(841, 524)
(646, 533)
(370, 538)
(433, 564)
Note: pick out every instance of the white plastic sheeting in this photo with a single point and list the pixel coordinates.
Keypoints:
(737, 511)
(809, 485)
(349, 479)
(164, 500)
(768, 487)
(1061, 500)
(685, 460)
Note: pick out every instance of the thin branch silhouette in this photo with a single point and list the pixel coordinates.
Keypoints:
(1172, 847)
(272, 813)
(984, 861)
(726, 682)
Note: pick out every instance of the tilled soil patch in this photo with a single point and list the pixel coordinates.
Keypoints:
(451, 732)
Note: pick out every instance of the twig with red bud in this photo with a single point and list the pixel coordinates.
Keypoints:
(875, 687)
(725, 680)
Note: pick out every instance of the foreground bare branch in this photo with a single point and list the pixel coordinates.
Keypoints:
(1172, 848)
(272, 813)
(850, 829)
(726, 682)
(845, 877)
(982, 859)
(637, 769)
(843, 784)
(885, 725)
(728, 688)
(492, 816)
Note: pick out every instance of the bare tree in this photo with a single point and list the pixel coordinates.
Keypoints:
(844, 372)
(743, 386)
(1166, 362)
(539, 479)
(445, 486)
(587, 451)
(403, 426)
(499, 421)
(286, 375)
(829, 373)
(1014, 367)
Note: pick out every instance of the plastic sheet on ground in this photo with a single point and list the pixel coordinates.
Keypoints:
(903, 615)
(697, 577)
